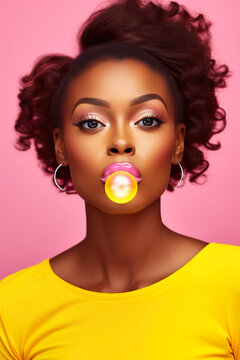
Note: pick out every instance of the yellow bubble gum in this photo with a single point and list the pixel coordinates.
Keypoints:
(121, 187)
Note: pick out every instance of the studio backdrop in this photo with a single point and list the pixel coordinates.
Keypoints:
(37, 220)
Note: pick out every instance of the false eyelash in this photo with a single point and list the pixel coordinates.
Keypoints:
(87, 118)
(152, 116)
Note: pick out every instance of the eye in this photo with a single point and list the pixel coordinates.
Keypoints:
(91, 120)
(148, 120)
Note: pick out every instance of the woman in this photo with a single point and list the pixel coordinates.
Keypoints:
(133, 108)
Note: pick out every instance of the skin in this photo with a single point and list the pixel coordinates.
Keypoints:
(127, 246)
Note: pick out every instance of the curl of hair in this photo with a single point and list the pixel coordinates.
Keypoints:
(180, 40)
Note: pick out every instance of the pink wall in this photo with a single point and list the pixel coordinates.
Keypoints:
(36, 220)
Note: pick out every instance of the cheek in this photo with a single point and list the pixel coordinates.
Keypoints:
(161, 151)
(78, 154)
(161, 164)
(82, 162)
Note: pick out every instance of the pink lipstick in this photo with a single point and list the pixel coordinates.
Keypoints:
(124, 166)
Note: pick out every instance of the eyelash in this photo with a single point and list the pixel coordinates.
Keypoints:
(86, 119)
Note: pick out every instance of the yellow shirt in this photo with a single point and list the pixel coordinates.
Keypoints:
(192, 314)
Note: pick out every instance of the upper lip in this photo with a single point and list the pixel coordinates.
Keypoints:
(121, 166)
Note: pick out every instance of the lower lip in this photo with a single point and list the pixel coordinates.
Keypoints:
(105, 178)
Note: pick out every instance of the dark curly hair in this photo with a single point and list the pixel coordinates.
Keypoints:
(181, 41)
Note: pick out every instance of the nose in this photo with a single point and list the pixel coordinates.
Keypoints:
(120, 148)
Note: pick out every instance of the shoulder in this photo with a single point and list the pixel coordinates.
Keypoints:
(18, 300)
(227, 253)
(220, 263)
(17, 286)
(21, 296)
(224, 256)
(224, 265)
(220, 253)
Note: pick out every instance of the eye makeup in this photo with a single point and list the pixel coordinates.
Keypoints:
(147, 114)
(152, 111)
(86, 118)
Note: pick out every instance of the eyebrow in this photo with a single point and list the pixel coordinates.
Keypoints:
(135, 101)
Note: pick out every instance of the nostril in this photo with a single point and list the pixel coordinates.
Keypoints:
(113, 150)
(128, 150)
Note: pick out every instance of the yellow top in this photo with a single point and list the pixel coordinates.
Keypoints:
(192, 314)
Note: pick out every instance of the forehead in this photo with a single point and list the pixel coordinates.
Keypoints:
(118, 81)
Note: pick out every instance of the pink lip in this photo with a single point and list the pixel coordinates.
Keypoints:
(125, 166)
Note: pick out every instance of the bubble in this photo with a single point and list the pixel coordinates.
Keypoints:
(121, 187)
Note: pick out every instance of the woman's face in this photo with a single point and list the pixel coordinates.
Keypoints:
(118, 132)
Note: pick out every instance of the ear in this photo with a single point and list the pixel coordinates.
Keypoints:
(59, 146)
(179, 143)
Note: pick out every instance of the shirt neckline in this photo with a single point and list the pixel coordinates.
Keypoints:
(157, 286)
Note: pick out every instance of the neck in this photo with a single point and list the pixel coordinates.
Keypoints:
(122, 248)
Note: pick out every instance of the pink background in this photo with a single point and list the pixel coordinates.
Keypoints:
(37, 221)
